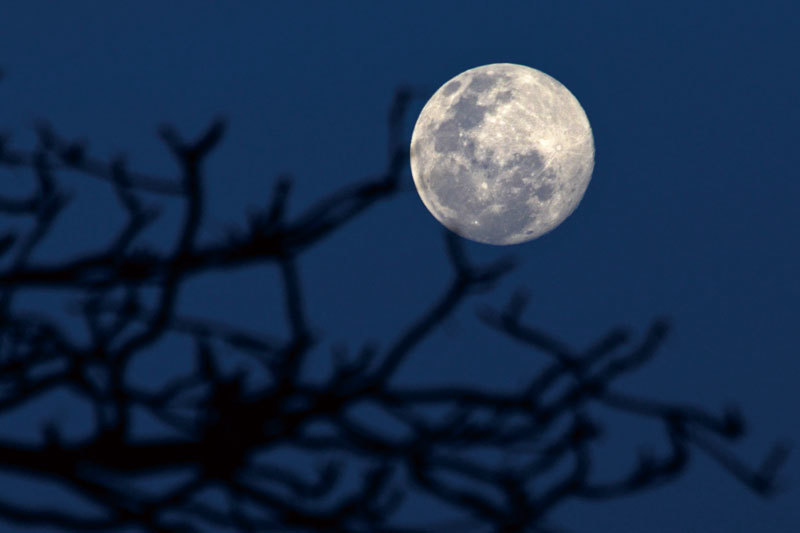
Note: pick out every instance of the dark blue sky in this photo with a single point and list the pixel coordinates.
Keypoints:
(691, 212)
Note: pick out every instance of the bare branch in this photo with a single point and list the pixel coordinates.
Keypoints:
(224, 426)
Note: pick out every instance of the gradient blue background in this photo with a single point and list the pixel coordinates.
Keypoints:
(691, 213)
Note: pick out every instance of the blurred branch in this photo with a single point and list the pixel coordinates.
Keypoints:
(224, 426)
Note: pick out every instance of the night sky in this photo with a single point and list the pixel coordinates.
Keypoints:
(691, 212)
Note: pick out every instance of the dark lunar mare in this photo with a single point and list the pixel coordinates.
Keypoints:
(467, 113)
(456, 189)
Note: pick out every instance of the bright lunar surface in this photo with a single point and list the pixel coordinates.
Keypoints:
(502, 154)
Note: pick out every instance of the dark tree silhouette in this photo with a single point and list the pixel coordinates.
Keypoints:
(222, 428)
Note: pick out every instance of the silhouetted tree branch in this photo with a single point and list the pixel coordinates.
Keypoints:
(222, 428)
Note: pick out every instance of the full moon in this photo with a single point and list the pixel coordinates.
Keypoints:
(502, 154)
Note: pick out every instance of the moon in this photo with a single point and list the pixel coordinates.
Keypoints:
(502, 154)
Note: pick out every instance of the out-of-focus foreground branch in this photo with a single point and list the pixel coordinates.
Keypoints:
(224, 430)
